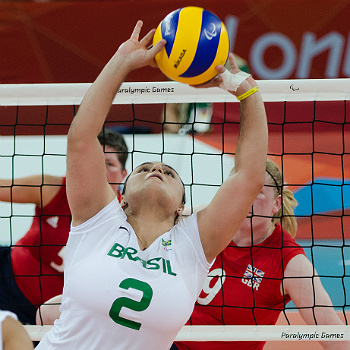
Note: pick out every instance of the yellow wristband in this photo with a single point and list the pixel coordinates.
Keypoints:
(248, 93)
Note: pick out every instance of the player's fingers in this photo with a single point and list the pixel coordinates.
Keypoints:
(154, 50)
(136, 32)
(220, 69)
(148, 37)
(215, 82)
(232, 61)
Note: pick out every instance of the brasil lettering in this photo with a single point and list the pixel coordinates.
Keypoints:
(313, 335)
(118, 251)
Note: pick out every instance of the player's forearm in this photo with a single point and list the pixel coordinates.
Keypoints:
(252, 143)
(325, 316)
(335, 345)
(24, 190)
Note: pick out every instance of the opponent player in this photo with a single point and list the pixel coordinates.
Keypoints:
(261, 270)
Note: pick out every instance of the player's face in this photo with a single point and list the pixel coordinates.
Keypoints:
(156, 178)
(114, 170)
(265, 205)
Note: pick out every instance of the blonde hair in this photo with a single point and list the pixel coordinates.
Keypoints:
(285, 216)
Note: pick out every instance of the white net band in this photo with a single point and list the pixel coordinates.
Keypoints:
(173, 92)
(243, 333)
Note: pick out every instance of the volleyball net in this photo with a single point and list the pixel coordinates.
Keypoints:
(309, 138)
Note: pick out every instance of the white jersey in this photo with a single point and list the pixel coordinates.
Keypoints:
(118, 297)
(3, 315)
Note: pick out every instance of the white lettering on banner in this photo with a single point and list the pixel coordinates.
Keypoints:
(294, 60)
(346, 66)
(334, 42)
(289, 56)
(231, 24)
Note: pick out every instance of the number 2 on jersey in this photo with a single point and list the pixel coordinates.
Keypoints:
(131, 303)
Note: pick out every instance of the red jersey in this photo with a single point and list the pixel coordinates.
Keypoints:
(37, 259)
(244, 288)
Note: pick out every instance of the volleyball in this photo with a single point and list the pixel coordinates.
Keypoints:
(197, 41)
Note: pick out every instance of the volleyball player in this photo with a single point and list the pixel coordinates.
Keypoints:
(32, 271)
(260, 271)
(131, 275)
(13, 336)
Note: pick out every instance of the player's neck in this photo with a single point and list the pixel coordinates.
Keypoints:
(243, 237)
(147, 230)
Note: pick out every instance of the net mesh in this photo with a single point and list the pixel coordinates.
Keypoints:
(309, 138)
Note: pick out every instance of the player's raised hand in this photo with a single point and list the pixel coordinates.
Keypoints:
(234, 80)
(137, 53)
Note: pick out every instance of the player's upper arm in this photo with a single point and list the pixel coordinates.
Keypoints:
(298, 282)
(87, 188)
(14, 335)
(219, 221)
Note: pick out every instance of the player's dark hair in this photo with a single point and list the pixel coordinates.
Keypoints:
(108, 137)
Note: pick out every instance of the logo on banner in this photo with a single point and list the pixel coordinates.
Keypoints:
(253, 277)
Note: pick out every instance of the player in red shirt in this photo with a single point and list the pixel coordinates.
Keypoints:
(32, 270)
(251, 285)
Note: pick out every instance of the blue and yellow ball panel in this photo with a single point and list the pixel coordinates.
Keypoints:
(197, 42)
(168, 28)
(207, 45)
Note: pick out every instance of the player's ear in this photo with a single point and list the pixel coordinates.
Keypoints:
(124, 173)
(180, 209)
(277, 205)
(124, 204)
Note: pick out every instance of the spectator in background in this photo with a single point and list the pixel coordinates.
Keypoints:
(186, 118)
(31, 272)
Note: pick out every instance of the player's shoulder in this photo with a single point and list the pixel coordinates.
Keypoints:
(4, 314)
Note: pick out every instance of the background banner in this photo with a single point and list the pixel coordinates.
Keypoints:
(70, 42)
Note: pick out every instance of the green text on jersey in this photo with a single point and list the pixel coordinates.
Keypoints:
(118, 251)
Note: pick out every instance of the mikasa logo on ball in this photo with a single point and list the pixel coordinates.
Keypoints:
(211, 32)
(178, 61)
